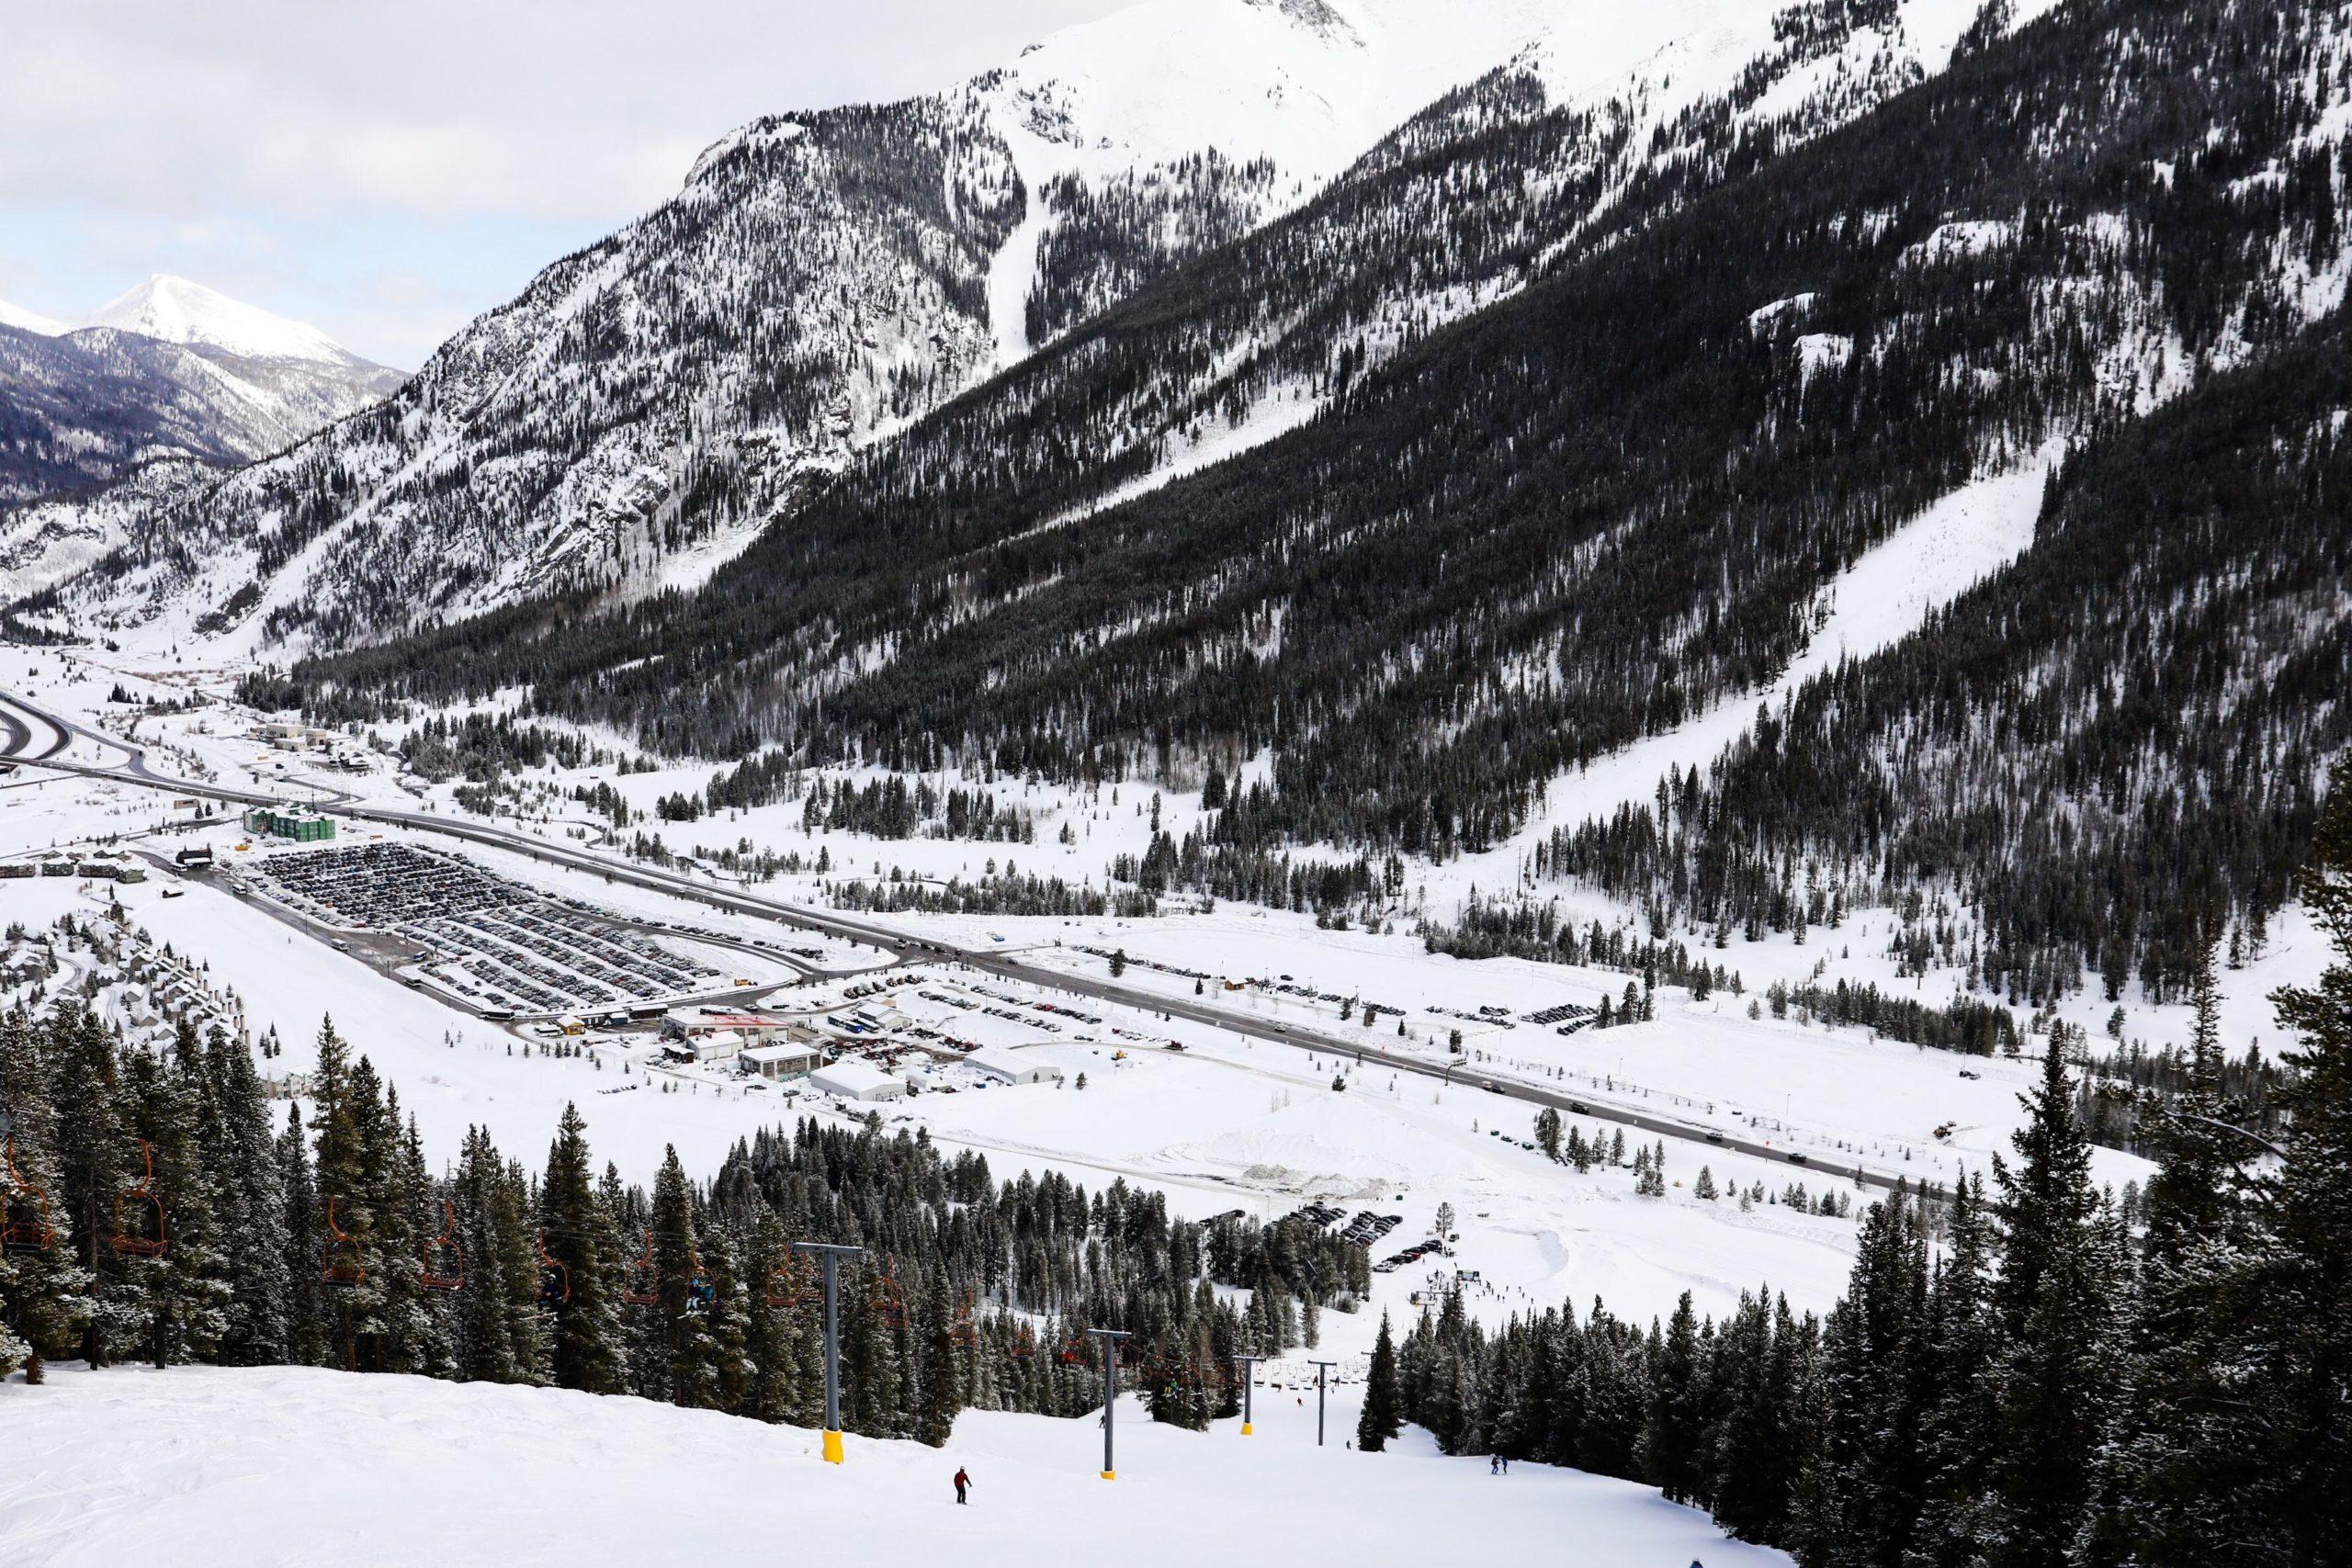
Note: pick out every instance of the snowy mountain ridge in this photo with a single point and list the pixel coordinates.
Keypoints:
(649, 406)
(26, 320)
(176, 310)
(168, 369)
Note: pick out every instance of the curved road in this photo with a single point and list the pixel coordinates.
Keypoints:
(18, 738)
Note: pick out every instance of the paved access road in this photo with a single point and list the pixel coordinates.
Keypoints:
(901, 946)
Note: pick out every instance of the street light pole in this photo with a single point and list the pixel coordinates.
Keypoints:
(1249, 1386)
(1320, 1368)
(1110, 1338)
(830, 1255)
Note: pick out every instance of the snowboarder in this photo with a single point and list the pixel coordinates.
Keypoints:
(963, 1485)
(1494, 1464)
(1506, 1459)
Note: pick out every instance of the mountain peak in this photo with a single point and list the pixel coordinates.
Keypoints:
(178, 310)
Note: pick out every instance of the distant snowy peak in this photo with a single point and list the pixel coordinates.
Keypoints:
(26, 320)
(176, 310)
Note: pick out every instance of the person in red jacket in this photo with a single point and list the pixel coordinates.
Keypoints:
(963, 1484)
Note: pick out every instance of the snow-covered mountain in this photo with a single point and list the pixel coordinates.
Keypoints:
(176, 310)
(26, 320)
(169, 369)
(651, 404)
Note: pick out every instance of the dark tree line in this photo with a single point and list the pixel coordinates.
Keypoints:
(253, 1241)
(2019, 1376)
(2104, 754)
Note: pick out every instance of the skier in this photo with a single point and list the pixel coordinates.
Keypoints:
(963, 1485)
(1506, 1459)
(1494, 1464)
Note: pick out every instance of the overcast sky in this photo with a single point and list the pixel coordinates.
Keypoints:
(385, 169)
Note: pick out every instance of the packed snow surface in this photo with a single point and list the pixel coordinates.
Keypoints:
(218, 1468)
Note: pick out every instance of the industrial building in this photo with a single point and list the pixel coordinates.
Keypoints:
(1003, 1065)
(854, 1079)
(297, 823)
(778, 1062)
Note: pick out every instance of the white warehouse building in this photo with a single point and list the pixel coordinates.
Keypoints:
(1000, 1062)
(854, 1079)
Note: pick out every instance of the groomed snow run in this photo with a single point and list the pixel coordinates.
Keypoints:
(220, 1468)
(1956, 543)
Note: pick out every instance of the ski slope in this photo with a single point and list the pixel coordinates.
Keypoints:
(218, 1468)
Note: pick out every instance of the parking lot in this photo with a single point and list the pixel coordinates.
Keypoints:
(496, 944)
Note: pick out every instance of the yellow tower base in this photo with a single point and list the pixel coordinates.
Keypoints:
(1110, 1475)
(832, 1447)
(1245, 1428)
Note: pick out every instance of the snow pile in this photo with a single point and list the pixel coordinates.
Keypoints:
(206, 1468)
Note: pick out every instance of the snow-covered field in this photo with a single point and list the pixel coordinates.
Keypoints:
(214, 1467)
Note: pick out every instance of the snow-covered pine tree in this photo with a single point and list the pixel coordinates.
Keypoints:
(586, 1344)
(1382, 1417)
(42, 1287)
(2055, 1307)
(251, 1200)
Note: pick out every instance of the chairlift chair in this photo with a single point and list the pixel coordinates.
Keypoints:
(643, 1285)
(555, 1280)
(341, 1267)
(451, 1273)
(25, 1224)
(789, 1286)
(885, 1298)
(138, 1228)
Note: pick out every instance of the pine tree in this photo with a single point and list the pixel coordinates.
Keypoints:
(1382, 1417)
(41, 1285)
(97, 1162)
(1673, 1432)
(305, 1236)
(680, 1350)
(2055, 1307)
(251, 1200)
(2290, 1305)
(182, 1291)
(586, 1339)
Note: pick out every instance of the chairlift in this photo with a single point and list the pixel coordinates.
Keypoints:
(25, 1224)
(555, 1280)
(963, 1331)
(789, 1286)
(342, 1267)
(139, 1229)
(885, 1298)
(451, 1275)
(1024, 1341)
(642, 1287)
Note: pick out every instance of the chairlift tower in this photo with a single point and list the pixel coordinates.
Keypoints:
(1249, 1386)
(1110, 1338)
(830, 1255)
(1320, 1368)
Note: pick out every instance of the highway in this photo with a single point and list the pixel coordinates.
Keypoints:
(17, 736)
